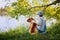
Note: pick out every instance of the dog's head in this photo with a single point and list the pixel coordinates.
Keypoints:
(29, 19)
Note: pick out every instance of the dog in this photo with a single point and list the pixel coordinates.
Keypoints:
(33, 26)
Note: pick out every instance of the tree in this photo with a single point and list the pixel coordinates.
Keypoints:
(53, 3)
(22, 7)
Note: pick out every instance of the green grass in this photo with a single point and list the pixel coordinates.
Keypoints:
(23, 34)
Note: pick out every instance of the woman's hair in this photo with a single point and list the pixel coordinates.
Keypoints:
(40, 15)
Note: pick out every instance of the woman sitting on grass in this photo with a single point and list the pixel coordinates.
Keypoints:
(41, 25)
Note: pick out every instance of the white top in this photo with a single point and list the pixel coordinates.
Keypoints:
(41, 22)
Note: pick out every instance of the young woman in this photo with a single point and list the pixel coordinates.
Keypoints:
(41, 25)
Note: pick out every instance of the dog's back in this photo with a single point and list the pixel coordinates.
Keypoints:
(33, 27)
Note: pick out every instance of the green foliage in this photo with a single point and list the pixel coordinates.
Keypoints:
(21, 8)
(14, 4)
(52, 12)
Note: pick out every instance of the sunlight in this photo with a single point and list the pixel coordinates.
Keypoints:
(4, 3)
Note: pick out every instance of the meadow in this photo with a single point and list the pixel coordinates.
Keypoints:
(23, 34)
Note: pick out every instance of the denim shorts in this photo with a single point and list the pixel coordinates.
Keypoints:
(40, 31)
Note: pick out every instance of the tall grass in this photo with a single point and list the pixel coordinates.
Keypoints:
(22, 33)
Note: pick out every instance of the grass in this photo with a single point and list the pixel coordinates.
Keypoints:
(23, 34)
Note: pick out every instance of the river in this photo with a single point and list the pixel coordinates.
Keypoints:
(7, 22)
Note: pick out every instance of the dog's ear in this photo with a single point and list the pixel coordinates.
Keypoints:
(28, 20)
(31, 18)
